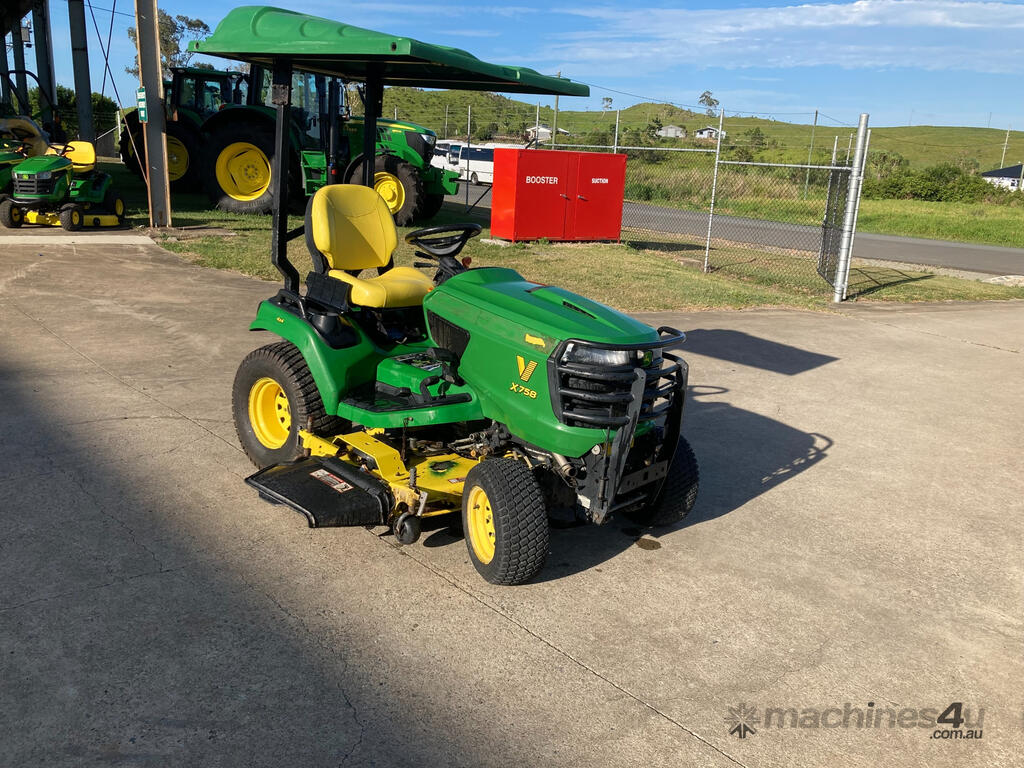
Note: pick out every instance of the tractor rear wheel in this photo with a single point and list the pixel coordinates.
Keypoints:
(274, 396)
(398, 182)
(114, 203)
(71, 216)
(237, 166)
(183, 150)
(678, 493)
(505, 521)
(11, 216)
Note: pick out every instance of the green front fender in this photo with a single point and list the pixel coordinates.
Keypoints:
(440, 182)
(334, 370)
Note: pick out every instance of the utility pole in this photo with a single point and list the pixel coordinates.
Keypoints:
(446, 121)
(554, 123)
(80, 62)
(615, 147)
(148, 44)
(536, 129)
(810, 151)
(1002, 160)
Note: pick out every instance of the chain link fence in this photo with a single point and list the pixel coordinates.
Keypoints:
(694, 195)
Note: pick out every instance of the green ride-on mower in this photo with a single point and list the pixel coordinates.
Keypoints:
(399, 396)
(63, 188)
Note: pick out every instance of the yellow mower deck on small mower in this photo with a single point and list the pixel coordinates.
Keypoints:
(438, 478)
(52, 219)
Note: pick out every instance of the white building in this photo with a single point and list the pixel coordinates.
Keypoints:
(672, 132)
(710, 132)
(541, 133)
(1009, 178)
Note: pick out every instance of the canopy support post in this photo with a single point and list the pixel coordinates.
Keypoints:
(373, 96)
(280, 96)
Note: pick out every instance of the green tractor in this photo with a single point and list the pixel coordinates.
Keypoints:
(220, 136)
(399, 396)
(12, 153)
(21, 135)
(191, 97)
(63, 188)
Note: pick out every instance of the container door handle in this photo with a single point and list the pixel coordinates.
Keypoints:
(565, 195)
(581, 197)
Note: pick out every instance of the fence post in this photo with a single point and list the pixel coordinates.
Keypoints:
(615, 144)
(810, 155)
(863, 172)
(850, 216)
(714, 189)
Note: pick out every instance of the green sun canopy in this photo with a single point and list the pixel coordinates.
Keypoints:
(261, 34)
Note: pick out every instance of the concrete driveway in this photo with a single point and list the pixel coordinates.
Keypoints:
(855, 550)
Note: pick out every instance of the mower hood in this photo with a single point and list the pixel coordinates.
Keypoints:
(504, 297)
(41, 164)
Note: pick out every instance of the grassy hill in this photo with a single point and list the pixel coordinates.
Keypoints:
(921, 145)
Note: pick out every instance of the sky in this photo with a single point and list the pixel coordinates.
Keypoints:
(929, 62)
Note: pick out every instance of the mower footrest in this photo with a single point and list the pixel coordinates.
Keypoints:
(327, 491)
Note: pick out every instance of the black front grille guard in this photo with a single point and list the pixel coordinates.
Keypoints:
(640, 404)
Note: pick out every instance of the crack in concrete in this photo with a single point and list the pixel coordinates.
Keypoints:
(933, 334)
(93, 588)
(562, 652)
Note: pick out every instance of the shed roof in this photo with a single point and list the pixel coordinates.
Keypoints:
(1010, 172)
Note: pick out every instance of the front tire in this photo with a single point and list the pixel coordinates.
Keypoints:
(505, 521)
(274, 396)
(431, 206)
(400, 185)
(678, 493)
(71, 217)
(11, 216)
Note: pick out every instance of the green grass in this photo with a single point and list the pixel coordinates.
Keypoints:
(652, 273)
(962, 222)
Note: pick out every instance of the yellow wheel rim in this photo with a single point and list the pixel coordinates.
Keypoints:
(243, 171)
(76, 218)
(481, 525)
(177, 158)
(119, 207)
(16, 214)
(269, 413)
(390, 188)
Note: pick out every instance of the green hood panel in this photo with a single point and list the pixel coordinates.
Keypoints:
(540, 310)
(52, 163)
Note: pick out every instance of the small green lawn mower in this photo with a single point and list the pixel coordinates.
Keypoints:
(63, 188)
(399, 397)
(12, 153)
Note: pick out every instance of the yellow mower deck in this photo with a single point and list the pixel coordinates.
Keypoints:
(52, 219)
(439, 478)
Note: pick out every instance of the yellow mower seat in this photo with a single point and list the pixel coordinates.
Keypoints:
(352, 227)
(82, 155)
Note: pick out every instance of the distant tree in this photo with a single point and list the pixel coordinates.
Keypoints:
(965, 163)
(709, 101)
(174, 30)
(885, 163)
(103, 109)
(606, 103)
(755, 139)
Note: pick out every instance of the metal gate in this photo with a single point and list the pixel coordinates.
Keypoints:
(832, 224)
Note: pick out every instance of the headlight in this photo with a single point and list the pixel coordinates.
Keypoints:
(429, 138)
(44, 175)
(611, 357)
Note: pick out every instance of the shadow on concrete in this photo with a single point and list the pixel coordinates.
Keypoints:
(742, 455)
(666, 246)
(129, 640)
(753, 351)
(866, 280)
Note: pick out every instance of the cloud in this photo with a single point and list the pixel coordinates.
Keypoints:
(866, 34)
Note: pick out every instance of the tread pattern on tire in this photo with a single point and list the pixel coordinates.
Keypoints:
(520, 519)
(292, 364)
(679, 492)
(218, 140)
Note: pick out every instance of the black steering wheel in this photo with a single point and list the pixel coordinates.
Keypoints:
(443, 244)
(437, 242)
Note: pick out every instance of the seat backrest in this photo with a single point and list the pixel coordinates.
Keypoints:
(351, 226)
(82, 155)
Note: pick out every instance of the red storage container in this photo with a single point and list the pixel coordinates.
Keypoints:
(558, 195)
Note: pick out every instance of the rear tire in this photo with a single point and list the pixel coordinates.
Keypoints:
(678, 493)
(71, 217)
(237, 166)
(184, 147)
(132, 130)
(274, 396)
(11, 216)
(114, 203)
(505, 521)
(405, 204)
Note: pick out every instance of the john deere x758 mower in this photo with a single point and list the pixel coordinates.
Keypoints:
(395, 397)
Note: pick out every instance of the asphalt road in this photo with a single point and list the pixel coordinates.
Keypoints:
(909, 250)
(856, 544)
